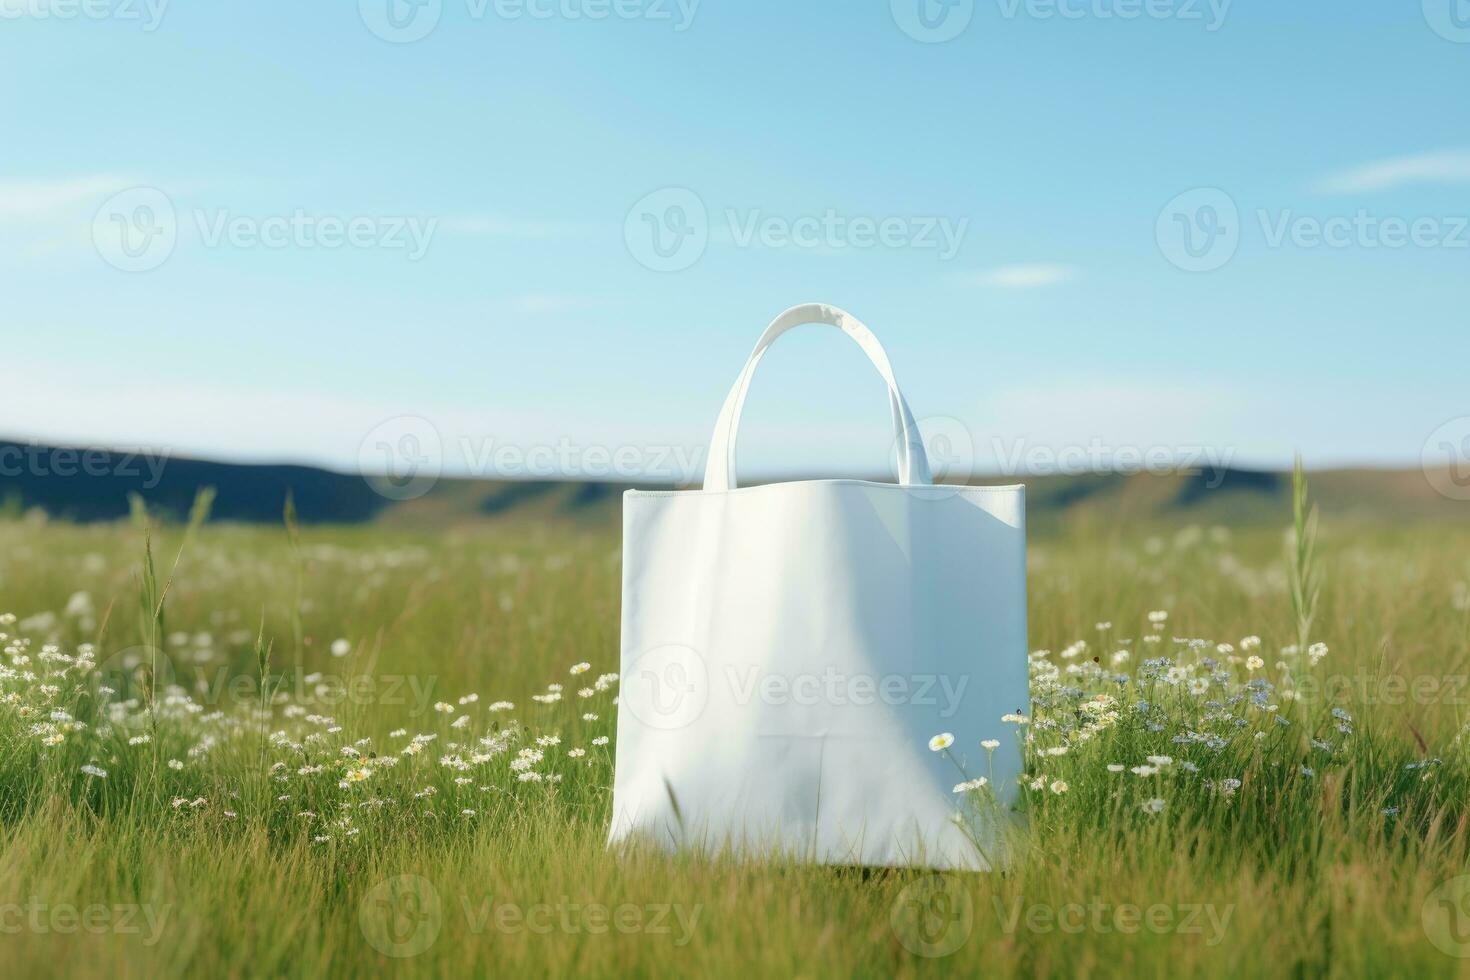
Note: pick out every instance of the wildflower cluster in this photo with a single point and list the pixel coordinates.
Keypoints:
(91, 728)
(1172, 719)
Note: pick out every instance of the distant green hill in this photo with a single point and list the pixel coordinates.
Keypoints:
(94, 485)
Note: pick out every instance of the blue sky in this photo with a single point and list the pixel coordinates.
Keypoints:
(1037, 174)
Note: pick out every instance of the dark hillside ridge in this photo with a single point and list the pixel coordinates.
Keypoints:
(94, 485)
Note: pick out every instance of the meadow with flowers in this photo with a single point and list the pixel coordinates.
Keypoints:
(245, 751)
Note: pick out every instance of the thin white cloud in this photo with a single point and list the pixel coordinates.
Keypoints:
(22, 197)
(1444, 167)
(16, 9)
(1022, 276)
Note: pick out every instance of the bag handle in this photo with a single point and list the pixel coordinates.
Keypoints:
(913, 464)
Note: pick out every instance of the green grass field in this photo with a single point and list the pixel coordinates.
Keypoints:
(373, 806)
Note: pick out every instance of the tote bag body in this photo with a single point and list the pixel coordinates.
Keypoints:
(790, 650)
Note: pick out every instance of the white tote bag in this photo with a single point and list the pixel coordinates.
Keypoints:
(790, 650)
